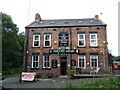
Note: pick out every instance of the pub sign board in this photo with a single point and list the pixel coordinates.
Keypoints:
(63, 51)
(63, 39)
(54, 63)
(73, 63)
(28, 76)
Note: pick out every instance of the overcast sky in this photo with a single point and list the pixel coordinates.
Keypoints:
(23, 13)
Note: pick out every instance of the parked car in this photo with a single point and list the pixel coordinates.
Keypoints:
(115, 65)
(1, 77)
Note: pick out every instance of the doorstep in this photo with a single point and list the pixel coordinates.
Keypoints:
(63, 76)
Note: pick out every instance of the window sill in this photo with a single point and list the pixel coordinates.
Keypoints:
(81, 47)
(35, 47)
(47, 68)
(94, 46)
(47, 47)
(81, 67)
(64, 47)
(94, 67)
(34, 68)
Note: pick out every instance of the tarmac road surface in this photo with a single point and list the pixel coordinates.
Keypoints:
(13, 82)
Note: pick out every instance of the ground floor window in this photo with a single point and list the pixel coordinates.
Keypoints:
(35, 61)
(94, 60)
(46, 61)
(81, 61)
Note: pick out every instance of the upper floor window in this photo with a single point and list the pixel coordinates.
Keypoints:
(47, 40)
(94, 60)
(81, 40)
(35, 61)
(63, 39)
(36, 40)
(93, 40)
(81, 61)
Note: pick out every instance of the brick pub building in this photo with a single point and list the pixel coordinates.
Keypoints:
(57, 46)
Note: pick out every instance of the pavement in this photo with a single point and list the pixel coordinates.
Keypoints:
(13, 82)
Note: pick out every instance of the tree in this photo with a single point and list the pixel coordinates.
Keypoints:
(12, 48)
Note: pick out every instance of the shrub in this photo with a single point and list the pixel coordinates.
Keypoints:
(38, 75)
(111, 82)
(71, 74)
(49, 75)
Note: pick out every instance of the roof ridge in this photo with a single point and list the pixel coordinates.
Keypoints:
(65, 19)
(101, 21)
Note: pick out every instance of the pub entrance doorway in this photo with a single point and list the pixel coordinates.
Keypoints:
(63, 66)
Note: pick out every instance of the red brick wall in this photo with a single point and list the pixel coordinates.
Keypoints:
(101, 50)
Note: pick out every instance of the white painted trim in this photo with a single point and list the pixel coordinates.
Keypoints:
(84, 60)
(91, 58)
(94, 39)
(44, 61)
(81, 39)
(47, 40)
(32, 61)
(36, 40)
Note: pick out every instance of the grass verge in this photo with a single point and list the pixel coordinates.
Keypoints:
(111, 82)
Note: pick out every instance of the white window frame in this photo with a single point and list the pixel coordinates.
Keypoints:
(83, 56)
(96, 44)
(93, 56)
(47, 40)
(81, 40)
(35, 61)
(36, 40)
(44, 61)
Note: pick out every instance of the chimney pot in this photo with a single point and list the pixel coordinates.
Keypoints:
(37, 16)
(96, 16)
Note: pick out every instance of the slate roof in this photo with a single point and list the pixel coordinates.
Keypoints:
(66, 23)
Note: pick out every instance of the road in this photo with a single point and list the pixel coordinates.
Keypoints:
(13, 82)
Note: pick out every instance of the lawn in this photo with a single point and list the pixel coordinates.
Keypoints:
(118, 62)
(111, 82)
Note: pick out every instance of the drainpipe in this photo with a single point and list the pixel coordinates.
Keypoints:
(25, 50)
(70, 48)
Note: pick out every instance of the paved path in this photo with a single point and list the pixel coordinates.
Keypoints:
(13, 82)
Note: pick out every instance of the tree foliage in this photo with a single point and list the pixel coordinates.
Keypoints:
(12, 44)
(117, 58)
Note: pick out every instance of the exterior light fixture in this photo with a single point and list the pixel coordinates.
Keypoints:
(55, 42)
(100, 50)
(74, 47)
(76, 51)
(27, 52)
(104, 42)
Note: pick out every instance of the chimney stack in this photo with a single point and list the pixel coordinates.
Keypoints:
(96, 16)
(37, 17)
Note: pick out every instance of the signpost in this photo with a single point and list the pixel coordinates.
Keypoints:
(26, 76)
